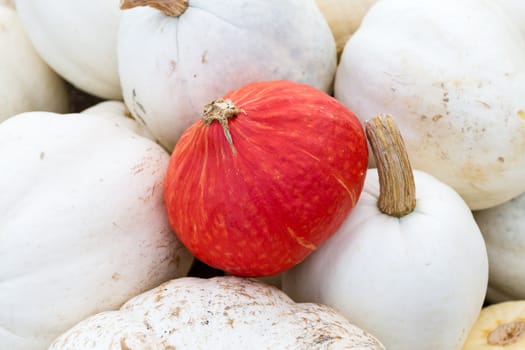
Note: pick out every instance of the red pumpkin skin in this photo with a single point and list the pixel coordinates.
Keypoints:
(294, 172)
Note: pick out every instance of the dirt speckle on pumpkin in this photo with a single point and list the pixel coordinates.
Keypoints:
(138, 108)
(484, 104)
(137, 168)
(123, 345)
(172, 66)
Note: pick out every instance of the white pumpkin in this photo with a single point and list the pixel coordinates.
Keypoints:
(452, 72)
(503, 228)
(78, 39)
(27, 83)
(344, 17)
(83, 223)
(216, 313)
(172, 65)
(516, 10)
(410, 270)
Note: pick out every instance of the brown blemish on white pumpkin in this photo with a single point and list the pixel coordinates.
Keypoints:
(172, 67)
(148, 325)
(138, 109)
(42, 155)
(484, 104)
(137, 168)
(115, 276)
(473, 173)
(203, 57)
(436, 117)
(165, 346)
(445, 96)
(123, 345)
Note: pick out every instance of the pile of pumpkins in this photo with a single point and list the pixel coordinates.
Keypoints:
(348, 173)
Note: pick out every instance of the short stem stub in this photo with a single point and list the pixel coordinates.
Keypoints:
(172, 8)
(507, 333)
(220, 110)
(396, 180)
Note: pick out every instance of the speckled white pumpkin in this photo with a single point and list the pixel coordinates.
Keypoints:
(78, 39)
(83, 223)
(503, 228)
(452, 73)
(217, 313)
(171, 66)
(27, 83)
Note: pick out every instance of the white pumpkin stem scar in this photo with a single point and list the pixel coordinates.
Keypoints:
(507, 333)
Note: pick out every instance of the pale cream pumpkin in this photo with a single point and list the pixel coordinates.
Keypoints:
(499, 326)
(27, 83)
(84, 226)
(452, 73)
(216, 313)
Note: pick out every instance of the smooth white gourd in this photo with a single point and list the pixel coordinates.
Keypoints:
(172, 65)
(416, 280)
(83, 223)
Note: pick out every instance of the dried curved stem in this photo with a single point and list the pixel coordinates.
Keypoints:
(396, 181)
(173, 8)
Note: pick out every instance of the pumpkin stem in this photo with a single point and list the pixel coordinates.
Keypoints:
(397, 194)
(221, 110)
(507, 333)
(172, 8)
